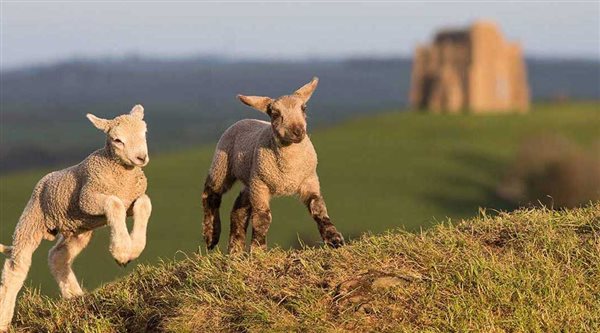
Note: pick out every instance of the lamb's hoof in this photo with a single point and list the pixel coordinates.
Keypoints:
(122, 264)
(121, 252)
(134, 256)
(335, 241)
(211, 242)
(236, 249)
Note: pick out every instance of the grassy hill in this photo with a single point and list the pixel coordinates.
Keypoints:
(405, 170)
(529, 271)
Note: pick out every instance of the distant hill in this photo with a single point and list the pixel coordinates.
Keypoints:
(528, 271)
(190, 101)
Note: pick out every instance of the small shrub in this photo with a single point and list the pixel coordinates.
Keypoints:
(552, 171)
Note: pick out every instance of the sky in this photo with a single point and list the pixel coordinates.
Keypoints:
(41, 32)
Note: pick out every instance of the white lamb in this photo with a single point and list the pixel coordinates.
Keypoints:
(270, 159)
(103, 189)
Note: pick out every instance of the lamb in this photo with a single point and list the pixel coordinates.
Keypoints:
(103, 189)
(270, 159)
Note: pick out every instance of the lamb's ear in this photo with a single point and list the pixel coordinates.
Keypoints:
(137, 111)
(307, 90)
(101, 124)
(259, 103)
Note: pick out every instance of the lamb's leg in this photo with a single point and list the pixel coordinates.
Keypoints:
(26, 239)
(239, 222)
(215, 186)
(60, 259)
(120, 242)
(211, 227)
(218, 181)
(311, 196)
(116, 214)
(142, 208)
(260, 215)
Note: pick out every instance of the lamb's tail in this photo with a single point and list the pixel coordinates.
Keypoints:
(6, 250)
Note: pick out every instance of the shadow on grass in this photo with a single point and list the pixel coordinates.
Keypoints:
(464, 193)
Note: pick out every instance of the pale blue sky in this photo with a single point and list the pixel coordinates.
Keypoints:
(48, 31)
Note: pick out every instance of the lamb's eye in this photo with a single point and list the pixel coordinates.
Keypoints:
(275, 115)
(118, 141)
(303, 107)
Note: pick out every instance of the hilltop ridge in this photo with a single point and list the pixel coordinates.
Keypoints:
(530, 270)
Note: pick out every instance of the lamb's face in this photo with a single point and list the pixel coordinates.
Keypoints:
(126, 136)
(128, 140)
(288, 119)
(287, 113)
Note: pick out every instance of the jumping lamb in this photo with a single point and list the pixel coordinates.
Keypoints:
(270, 159)
(103, 189)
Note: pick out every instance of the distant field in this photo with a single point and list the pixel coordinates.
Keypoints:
(393, 170)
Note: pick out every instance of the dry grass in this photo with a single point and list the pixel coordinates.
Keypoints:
(531, 270)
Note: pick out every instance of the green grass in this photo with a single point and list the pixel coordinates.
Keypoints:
(528, 271)
(394, 170)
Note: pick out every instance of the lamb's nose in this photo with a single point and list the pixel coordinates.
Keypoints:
(298, 132)
(142, 158)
